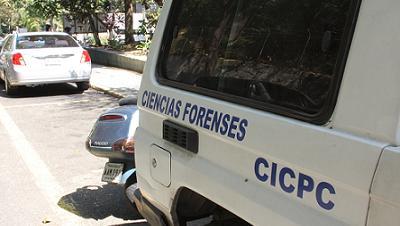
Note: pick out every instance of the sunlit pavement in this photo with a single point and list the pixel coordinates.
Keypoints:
(46, 175)
(115, 81)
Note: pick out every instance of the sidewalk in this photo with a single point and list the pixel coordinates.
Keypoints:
(126, 60)
(115, 81)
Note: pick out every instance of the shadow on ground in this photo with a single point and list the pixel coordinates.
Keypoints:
(89, 100)
(41, 91)
(100, 202)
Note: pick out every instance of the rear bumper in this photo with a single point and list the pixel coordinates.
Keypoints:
(22, 76)
(107, 152)
(153, 215)
(42, 82)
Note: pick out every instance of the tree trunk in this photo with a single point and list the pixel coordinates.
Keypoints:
(129, 32)
(110, 27)
(94, 30)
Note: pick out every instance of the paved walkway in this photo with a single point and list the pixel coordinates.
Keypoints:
(115, 81)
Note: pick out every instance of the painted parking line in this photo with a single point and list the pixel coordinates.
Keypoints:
(42, 176)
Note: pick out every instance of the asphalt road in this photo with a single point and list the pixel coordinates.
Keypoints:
(46, 175)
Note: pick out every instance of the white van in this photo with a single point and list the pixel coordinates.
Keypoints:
(272, 112)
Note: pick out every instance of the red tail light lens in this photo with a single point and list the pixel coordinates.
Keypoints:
(112, 118)
(85, 57)
(126, 145)
(17, 59)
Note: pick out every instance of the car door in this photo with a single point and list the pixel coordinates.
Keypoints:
(2, 58)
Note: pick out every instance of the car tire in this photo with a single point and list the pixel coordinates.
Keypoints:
(1, 80)
(82, 86)
(10, 90)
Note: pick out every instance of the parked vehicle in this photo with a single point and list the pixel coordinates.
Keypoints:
(30, 59)
(271, 112)
(112, 137)
(2, 39)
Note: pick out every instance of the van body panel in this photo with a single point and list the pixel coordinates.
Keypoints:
(363, 108)
(343, 153)
(345, 161)
(385, 192)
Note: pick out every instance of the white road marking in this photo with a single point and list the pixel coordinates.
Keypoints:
(45, 104)
(42, 176)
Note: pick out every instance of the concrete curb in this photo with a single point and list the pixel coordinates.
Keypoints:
(115, 59)
(107, 91)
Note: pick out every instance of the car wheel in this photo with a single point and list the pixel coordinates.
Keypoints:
(10, 90)
(82, 86)
(1, 80)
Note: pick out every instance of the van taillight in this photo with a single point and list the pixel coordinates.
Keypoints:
(17, 59)
(85, 57)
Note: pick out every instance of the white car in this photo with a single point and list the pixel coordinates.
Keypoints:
(36, 58)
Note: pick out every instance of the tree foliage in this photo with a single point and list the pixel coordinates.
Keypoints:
(17, 14)
(5, 11)
(130, 9)
(33, 14)
(43, 8)
(84, 9)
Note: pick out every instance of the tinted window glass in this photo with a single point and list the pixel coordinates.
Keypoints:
(267, 52)
(45, 41)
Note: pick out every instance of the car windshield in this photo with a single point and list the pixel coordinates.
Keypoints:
(45, 41)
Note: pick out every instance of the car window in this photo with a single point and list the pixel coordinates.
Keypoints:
(45, 41)
(265, 53)
(8, 44)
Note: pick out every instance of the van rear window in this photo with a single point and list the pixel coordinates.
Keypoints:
(281, 55)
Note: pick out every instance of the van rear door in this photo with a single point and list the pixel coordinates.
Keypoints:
(258, 81)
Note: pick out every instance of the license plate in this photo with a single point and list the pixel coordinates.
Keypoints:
(112, 172)
(53, 62)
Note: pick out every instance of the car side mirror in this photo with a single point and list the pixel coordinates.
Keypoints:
(129, 100)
